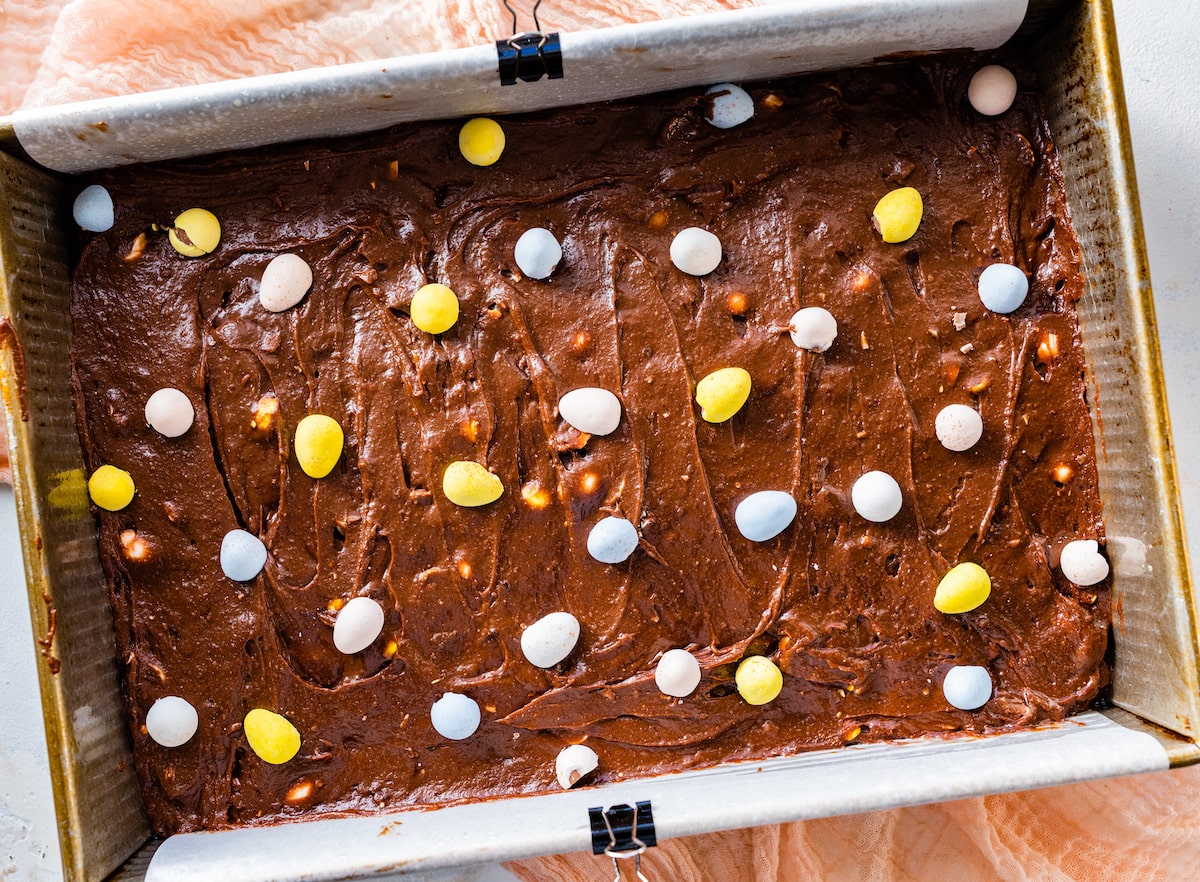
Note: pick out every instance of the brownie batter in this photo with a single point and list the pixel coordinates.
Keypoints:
(843, 606)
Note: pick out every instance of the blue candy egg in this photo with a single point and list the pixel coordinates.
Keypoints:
(1003, 287)
(242, 555)
(93, 209)
(764, 515)
(612, 540)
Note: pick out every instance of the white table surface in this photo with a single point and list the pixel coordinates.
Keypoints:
(1158, 44)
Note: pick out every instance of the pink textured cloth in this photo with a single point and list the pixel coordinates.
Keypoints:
(1146, 827)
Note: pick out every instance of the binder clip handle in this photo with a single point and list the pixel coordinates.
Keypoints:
(529, 56)
(622, 832)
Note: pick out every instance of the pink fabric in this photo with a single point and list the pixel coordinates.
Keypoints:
(1146, 827)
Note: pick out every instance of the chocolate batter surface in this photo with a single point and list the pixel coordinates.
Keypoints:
(843, 606)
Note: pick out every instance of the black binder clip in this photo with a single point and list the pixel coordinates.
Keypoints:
(529, 56)
(623, 832)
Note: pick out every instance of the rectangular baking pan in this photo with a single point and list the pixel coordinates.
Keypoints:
(1156, 687)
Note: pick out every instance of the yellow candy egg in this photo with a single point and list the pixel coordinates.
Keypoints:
(111, 488)
(962, 589)
(196, 232)
(318, 444)
(481, 141)
(722, 393)
(758, 680)
(271, 736)
(898, 214)
(470, 485)
(434, 308)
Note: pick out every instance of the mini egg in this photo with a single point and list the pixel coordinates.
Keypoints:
(758, 680)
(470, 485)
(964, 588)
(765, 514)
(573, 764)
(550, 639)
(1003, 287)
(537, 253)
(455, 716)
(1082, 562)
(695, 251)
(898, 214)
(93, 209)
(271, 736)
(813, 328)
(481, 141)
(169, 412)
(357, 625)
(111, 488)
(612, 540)
(958, 426)
(434, 308)
(243, 555)
(196, 232)
(318, 444)
(731, 105)
(284, 283)
(722, 393)
(992, 90)
(967, 687)
(171, 721)
(876, 496)
(677, 673)
(592, 410)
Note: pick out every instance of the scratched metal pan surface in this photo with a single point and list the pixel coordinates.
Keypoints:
(100, 814)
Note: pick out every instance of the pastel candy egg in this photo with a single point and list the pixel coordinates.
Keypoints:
(695, 251)
(318, 444)
(242, 555)
(357, 625)
(677, 673)
(434, 308)
(992, 90)
(813, 328)
(964, 588)
(758, 680)
(967, 687)
(93, 209)
(455, 716)
(169, 412)
(876, 496)
(470, 485)
(481, 141)
(898, 214)
(1003, 287)
(284, 283)
(196, 232)
(592, 410)
(171, 721)
(958, 426)
(573, 764)
(722, 393)
(731, 105)
(111, 488)
(612, 540)
(537, 253)
(1082, 562)
(550, 639)
(765, 514)
(271, 736)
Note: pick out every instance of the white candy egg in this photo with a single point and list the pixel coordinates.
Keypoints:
(93, 209)
(967, 687)
(731, 105)
(958, 426)
(242, 555)
(695, 251)
(358, 623)
(992, 90)
(537, 253)
(171, 721)
(876, 496)
(813, 328)
(765, 514)
(573, 764)
(1003, 287)
(1082, 562)
(455, 716)
(284, 283)
(612, 540)
(592, 410)
(169, 412)
(550, 639)
(678, 673)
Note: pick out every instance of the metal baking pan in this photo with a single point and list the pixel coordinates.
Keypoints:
(1156, 716)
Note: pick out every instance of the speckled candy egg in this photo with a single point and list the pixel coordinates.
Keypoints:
(573, 764)
(1003, 288)
(242, 555)
(93, 209)
(813, 328)
(455, 716)
(550, 639)
(285, 281)
(537, 253)
(764, 515)
(967, 687)
(731, 105)
(612, 540)
(958, 426)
